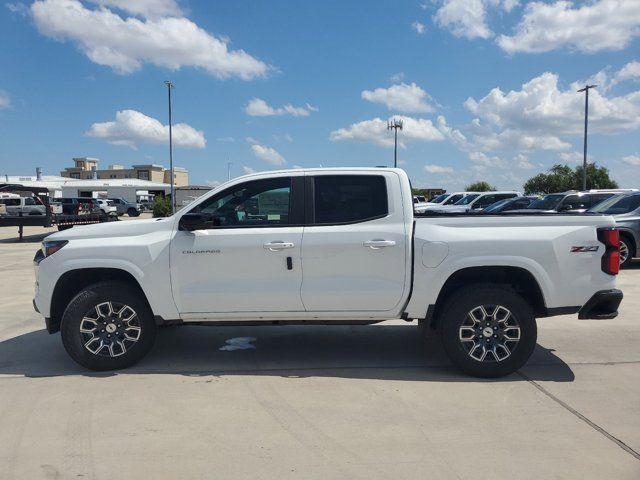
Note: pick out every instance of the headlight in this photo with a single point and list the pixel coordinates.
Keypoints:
(49, 247)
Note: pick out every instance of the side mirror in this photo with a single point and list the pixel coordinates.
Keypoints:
(198, 221)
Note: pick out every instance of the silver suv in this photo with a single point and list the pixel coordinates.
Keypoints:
(625, 209)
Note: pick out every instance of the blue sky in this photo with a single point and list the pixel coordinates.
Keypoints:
(486, 87)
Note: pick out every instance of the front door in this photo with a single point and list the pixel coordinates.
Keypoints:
(249, 260)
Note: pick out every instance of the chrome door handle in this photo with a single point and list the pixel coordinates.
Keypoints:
(275, 246)
(376, 244)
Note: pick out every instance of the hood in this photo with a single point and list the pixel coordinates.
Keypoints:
(124, 228)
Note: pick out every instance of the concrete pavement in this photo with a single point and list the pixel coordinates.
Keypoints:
(315, 402)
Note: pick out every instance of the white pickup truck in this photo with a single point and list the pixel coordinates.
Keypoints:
(329, 246)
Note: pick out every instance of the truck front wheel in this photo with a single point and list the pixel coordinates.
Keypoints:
(488, 331)
(107, 326)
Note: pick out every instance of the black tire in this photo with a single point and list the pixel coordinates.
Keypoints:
(64, 227)
(84, 303)
(455, 314)
(632, 253)
(132, 212)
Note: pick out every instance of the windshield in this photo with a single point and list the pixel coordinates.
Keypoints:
(548, 202)
(439, 198)
(468, 199)
(617, 205)
(498, 205)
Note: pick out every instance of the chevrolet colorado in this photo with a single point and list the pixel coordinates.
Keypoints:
(330, 246)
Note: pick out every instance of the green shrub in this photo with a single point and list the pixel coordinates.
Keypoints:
(162, 207)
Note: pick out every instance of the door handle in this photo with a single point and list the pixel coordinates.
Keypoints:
(275, 246)
(376, 244)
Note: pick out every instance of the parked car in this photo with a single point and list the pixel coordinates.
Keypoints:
(418, 202)
(509, 204)
(577, 202)
(107, 207)
(366, 257)
(440, 200)
(78, 205)
(124, 206)
(626, 212)
(478, 201)
(17, 206)
(146, 205)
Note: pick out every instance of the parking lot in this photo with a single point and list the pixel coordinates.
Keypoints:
(315, 402)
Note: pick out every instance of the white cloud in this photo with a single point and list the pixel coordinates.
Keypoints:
(453, 135)
(589, 27)
(482, 161)
(535, 116)
(632, 160)
(267, 154)
(144, 8)
(437, 169)
(467, 18)
(125, 44)
(5, 100)
(631, 71)
(131, 127)
(419, 28)
(297, 167)
(397, 77)
(402, 98)
(522, 161)
(259, 108)
(18, 8)
(375, 131)
(214, 183)
(248, 170)
(573, 157)
(225, 139)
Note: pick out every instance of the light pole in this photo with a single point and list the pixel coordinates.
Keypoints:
(228, 170)
(173, 198)
(394, 125)
(586, 123)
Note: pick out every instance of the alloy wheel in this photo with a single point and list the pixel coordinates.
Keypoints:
(489, 333)
(110, 329)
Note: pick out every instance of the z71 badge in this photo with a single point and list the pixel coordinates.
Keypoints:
(584, 248)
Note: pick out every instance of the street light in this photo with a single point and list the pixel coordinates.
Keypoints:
(173, 198)
(586, 122)
(229, 170)
(395, 125)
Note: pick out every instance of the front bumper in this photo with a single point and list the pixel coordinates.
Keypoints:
(603, 305)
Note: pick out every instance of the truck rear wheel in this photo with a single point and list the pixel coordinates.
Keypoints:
(107, 326)
(132, 212)
(488, 331)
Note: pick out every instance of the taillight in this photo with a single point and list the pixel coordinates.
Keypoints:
(611, 258)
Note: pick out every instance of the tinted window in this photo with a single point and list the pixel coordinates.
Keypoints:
(11, 202)
(485, 201)
(575, 202)
(29, 201)
(439, 198)
(453, 199)
(549, 202)
(618, 205)
(349, 198)
(250, 204)
(467, 199)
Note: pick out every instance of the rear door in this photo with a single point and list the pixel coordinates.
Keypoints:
(354, 246)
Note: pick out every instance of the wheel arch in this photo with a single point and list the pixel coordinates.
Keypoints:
(519, 279)
(628, 234)
(74, 281)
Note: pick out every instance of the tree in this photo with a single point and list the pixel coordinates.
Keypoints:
(480, 186)
(562, 178)
(162, 206)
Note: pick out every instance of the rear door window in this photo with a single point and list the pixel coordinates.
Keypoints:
(340, 199)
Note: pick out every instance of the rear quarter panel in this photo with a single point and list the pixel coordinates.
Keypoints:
(540, 245)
